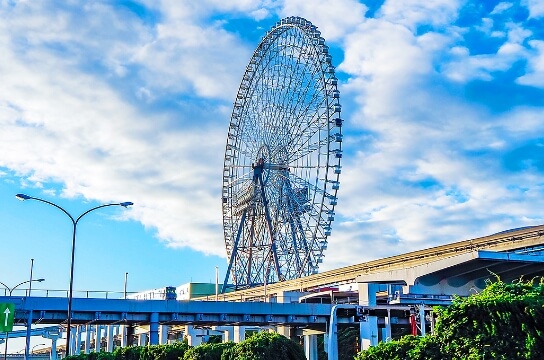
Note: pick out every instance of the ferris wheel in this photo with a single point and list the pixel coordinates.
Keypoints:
(282, 159)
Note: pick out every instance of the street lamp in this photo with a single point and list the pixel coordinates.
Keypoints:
(10, 290)
(125, 204)
(32, 351)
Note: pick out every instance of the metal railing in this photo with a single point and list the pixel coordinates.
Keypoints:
(101, 294)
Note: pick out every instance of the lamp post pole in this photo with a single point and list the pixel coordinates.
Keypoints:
(10, 290)
(32, 351)
(126, 279)
(75, 221)
(30, 281)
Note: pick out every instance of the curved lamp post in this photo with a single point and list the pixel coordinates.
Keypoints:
(125, 204)
(32, 351)
(10, 290)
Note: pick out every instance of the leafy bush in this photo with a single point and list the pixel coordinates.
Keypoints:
(407, 348)
(207, 351)
(92, 356)
(503, 321)
(265, 346)
(261, 346)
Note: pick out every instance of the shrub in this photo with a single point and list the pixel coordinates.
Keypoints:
(265, 346)
(207, 351)
(503, 321)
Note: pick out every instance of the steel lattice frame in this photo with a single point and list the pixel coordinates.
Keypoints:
(282, 158)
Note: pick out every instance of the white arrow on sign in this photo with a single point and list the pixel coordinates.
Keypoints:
(7, 312)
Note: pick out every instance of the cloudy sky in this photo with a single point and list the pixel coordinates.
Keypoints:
(109, 101)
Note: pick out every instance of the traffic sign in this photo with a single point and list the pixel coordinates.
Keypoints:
(7, 313)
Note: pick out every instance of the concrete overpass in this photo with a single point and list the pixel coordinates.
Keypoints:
(95, 317)
(134, 312)
(514, 240)
(394, 291)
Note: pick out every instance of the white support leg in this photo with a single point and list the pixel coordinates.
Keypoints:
(163, 334)
(387, 334)
(88, 331)
(239, 333)
(422, 319)
(310, 347)
(53, 355)
(109, 339)
(368, 330)
(73, 341)
(79, 331)
(98, 338)
(123, 333)
(142, 339)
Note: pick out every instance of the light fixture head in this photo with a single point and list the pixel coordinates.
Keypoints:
(126, 203)
(23, 197)
(40, 280)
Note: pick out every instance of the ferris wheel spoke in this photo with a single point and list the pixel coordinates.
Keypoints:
(307, 149)
(302, 183)
(270, 229)
(234, 250)
(295, 224)
(306, 129)
(311, 112)
(301, 105)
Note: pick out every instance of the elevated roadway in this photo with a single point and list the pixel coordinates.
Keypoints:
(513, 240)
(49, 310)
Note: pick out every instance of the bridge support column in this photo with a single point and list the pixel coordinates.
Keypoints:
(368, 330)
(123, 333)
(310, 347)
(422, 319)
(284, 330)
(109, 339)
(73, 340)
(386, 331)
(154, 329)
(54, 338)
(227, 335)
(88, 330)
(129, 335)
(192, 337)
(98, 338)
(163, 334)
(239, 333)
(79, 330)
(142, 339)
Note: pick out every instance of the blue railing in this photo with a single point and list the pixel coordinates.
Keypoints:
(101, 294)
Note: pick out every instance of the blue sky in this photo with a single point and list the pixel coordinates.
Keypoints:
(106, 101)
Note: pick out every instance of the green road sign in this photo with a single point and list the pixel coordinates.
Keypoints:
(7, 313)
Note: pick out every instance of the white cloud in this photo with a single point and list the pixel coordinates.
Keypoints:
(412, 13)
(535, 66)
(501, 7)
(334, 19)
(190, 59)
(60, 122)
(464, 67)
(536, 8)
(428, 169)
(82, 87)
